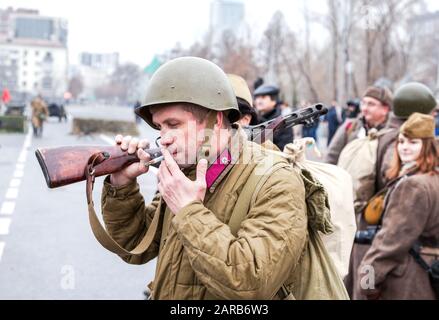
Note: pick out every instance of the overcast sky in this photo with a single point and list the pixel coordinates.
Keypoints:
(138, 29)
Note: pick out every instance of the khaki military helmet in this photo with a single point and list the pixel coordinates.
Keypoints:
(241, 88)
(413, 97)
(190, 80)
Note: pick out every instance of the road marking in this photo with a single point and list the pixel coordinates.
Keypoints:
(7, 207)
(110, 141)
(15, 183)
(18, 173)
(23, 156)
(4, 225)
(12, 193)
(2, 248)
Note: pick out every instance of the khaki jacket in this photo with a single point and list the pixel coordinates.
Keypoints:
(39, 108)
(412, 215)
(200, 254)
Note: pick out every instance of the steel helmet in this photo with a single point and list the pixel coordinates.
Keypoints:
(190, 80)
(413, 97)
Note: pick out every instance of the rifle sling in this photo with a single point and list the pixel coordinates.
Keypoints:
(99, 231)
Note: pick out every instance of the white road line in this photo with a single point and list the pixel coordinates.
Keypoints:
(18, 173)
(7, 207)
(4, 225)
(23, 156)
(2, 248)
(12, 193)
(108, 140)
(15, 183)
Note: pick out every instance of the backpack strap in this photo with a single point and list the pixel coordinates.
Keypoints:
(246, 198)
(249, 193)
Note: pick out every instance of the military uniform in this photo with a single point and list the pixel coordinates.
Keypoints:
(198, 255)
(40, 112)
(404, 105)
(411, 216)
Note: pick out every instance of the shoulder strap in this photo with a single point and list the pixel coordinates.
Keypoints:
(242, 206)
(248, 194)
(99, 231)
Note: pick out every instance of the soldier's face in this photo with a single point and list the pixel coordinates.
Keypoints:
(181, 134)
(373, 111)
(409, 150)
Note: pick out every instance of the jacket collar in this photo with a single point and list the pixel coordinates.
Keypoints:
(226, 160)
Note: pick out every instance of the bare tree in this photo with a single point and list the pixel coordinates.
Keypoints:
(76, 86)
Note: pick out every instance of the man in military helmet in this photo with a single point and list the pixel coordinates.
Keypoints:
(245, 101)
(205, 169)
(268, 106)
(375, 107)
(409, 98)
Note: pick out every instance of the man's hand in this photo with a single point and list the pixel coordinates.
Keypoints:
(130, 173)
(176, 189)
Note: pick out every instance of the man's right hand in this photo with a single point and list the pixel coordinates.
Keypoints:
(130, 173)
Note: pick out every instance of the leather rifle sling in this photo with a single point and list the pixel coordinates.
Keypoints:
(99, 231)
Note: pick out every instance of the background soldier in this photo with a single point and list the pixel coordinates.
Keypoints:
(375, 107)
(245, 101)
(410, 219)
(409, 98)
(40, 113)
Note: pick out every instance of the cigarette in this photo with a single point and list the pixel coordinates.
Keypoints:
(154, 161)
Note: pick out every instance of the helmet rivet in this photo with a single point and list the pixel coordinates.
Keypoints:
(172, 87)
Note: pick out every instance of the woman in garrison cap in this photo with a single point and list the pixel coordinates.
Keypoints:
(410, 221)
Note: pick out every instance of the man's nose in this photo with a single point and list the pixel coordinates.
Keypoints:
(166, 140)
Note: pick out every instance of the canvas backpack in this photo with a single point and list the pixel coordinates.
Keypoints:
(325, 281)
(359, 159)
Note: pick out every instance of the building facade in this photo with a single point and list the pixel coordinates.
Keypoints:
(33, 53)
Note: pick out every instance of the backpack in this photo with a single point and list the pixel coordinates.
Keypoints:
(324, 280)
(359, 159)
(338, 184)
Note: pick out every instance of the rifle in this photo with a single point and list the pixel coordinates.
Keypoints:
(62, 166)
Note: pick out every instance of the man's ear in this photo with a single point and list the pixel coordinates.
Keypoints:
(219, 120)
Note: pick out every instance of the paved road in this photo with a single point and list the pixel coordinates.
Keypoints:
(47, 250)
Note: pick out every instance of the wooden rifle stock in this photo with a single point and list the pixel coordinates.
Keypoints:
(66, 165)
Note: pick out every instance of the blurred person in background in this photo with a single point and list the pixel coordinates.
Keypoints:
(268, 108)
(40, 113)
(375, 107)
(352, 109)
(335, 117)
